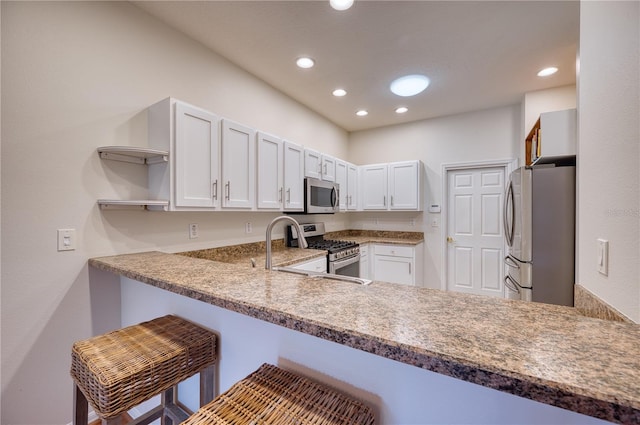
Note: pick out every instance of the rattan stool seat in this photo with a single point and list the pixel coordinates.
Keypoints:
(121, 369)
(274, 396)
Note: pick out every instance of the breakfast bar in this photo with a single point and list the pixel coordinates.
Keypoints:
(404, 350)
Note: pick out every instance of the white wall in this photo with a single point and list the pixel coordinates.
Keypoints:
(609, 150)
(478, 136)
(76, 76)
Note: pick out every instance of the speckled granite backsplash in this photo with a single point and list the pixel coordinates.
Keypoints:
(346, 234)
(230, 253)
(592, 306)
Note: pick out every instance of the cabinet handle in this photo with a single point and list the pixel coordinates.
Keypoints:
(325, 168)
(214, 187)
(288, 195)
(228, 190)
(280, 195)
(384, 200)
(409, 268)
(391, 200)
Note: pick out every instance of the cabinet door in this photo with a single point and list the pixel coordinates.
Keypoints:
(393, 269)
(374, 187)
(238, 165)
(328, 168)
(352, 187)
(341, 179)
(403, 185)
(318, 265)
(312, 164)
(293, 177)
(270, 172)
(365, 269)
(196, 157)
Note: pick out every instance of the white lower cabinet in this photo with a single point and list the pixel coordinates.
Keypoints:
(316, 265)
(398, 263)
(365, 264)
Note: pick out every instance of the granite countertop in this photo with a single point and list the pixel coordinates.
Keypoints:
(547, 353)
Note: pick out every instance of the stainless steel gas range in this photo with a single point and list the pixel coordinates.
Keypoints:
(343, 257)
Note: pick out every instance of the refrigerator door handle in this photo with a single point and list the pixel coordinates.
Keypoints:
(511, 262)
(511, 285)
(509, 227)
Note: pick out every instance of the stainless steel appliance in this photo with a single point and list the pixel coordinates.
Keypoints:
(343, 257)
(320, 197)
(539, 226)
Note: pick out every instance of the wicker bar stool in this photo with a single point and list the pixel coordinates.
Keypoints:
(272, 396)
(119, 370)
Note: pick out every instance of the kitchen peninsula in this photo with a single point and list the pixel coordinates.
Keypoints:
(382, 342)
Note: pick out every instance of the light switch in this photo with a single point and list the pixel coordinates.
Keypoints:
(66, 239)
(603, 256)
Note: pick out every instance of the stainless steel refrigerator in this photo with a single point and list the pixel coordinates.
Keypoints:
(539, 225)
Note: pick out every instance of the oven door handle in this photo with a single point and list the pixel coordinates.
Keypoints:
(343, 262)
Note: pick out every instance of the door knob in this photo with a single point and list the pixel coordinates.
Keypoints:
(450, 239)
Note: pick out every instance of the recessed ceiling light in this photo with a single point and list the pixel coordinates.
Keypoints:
(401, 110)
(341, 4)
(339, 92)
(409, 85)
(548, 71)
(305, 62)
(362, 113)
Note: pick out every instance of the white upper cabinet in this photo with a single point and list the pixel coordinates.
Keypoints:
(312, 164)
(190, 180)
(404, 186)
(238, 165)
(319, 166)
(341, 179)
(347, 179)
(352, 187)
(269, 172)
(396, 186)
(328, 168)
(374, 186)
(552, 136)
(294, 160)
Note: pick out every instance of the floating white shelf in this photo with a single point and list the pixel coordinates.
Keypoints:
(116, 204)
(133, 154)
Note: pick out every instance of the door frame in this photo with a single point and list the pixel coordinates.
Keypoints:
(508, 165)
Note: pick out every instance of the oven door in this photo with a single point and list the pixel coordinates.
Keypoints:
(346, 266)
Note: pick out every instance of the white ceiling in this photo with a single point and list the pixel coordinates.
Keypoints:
(477, 54)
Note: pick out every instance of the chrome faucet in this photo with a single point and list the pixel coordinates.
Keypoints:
(302, 242)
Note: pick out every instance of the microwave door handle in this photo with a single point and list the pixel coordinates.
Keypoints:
(334, 197)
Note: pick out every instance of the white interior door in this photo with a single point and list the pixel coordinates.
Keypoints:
(475, 248)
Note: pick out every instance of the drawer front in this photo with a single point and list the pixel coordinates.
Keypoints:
(393, 250)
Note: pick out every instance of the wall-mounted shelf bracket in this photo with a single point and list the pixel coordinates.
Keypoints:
(115, 204)
(133, 154)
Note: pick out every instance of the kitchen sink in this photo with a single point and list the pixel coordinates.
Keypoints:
(318, 275)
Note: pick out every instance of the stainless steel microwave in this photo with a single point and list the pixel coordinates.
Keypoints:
(320, 197)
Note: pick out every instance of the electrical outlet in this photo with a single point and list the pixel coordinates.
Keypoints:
(603, 256)
(193, 230)
(66, 239)
(247, 227)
